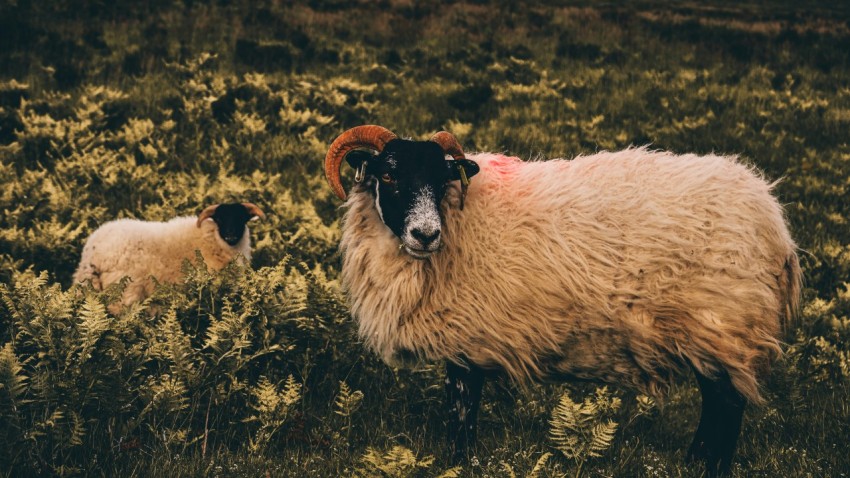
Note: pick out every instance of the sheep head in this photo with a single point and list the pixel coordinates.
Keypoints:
(408, 180)
(231, 219)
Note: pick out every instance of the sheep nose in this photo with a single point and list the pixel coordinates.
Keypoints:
(425, 238)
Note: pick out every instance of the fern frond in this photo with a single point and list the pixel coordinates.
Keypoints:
(229, 336)
(173, 346)
(453, 472)
(272, 409)
(78, 430)
(347, 402)
(168, 394)
(539, 466)
(93, 323)
(583, 430)
(13, 382)
(645, 405)
(43, 427)
(601, 437)
(398, 462)
(8, 299)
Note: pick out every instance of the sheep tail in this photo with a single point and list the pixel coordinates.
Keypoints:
(790, 287)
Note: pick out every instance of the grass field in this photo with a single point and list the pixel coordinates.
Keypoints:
(152, 110)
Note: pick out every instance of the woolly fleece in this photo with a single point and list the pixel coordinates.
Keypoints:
(141, 249)
(621, 267)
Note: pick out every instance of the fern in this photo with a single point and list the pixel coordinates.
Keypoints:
(824, 353)
(229, 336)
(398, 462)
(167, 394)
(583, 430)
(539, 466)
(13, 386)
(77, 430)
(173, 346)
(347, 402)
(272, 408)
(13, 382)
(601, 437)
(453, 472)
(92, 325)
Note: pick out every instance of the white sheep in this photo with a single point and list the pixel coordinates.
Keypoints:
(141, 250)
(627, 267)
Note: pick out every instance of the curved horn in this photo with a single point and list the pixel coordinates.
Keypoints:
(449, 143)
(368, 136)
(206, 213)
(253, 210)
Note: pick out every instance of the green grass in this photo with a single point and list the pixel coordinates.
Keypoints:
(116, 110)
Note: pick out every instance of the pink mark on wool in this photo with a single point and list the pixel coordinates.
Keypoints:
(504, 165)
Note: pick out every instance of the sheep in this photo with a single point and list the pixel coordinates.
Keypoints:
(141, 250)
(627, 268)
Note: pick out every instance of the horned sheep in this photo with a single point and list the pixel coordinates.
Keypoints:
(629, 267)
(142, 250)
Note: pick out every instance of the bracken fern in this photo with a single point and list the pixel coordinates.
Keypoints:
(583, 430)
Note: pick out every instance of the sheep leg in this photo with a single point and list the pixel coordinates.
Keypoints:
(463, 394)
(720, 424)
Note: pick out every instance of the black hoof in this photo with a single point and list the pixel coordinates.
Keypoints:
(459, 458)
(699, 452)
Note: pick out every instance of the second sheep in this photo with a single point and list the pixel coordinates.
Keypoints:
(142, 250)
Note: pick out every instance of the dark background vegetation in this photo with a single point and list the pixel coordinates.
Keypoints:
(155, 109)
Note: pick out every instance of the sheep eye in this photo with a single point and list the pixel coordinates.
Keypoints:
(387, 178)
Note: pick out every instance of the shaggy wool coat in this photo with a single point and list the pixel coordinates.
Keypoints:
(623, 267)
(141, 250)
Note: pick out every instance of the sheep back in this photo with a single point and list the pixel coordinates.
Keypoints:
(141, 249)
(622, 267)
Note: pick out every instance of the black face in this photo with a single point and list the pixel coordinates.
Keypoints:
(231, 220)
(409, 180)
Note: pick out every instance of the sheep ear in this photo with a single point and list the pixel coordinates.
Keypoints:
(470, 168)
(254, 211)
(356, 158)
(206, 214)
